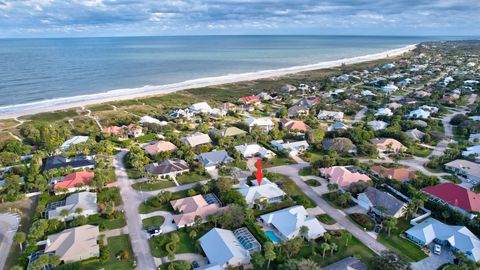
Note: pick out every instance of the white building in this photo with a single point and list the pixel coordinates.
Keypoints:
(293, 148)
(74, 140)
(252, 150)
(384, 112)
(267, 191)
(87, 201)
(264, 123)
(389, 88)
(201, 107)
(378, 125)
(330, 115)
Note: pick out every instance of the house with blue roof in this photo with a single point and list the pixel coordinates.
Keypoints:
(214, 158)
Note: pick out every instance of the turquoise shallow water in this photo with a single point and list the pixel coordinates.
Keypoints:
(32, 70)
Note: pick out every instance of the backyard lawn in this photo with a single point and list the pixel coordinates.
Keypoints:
(153, 185)
(153, 221)
(403, 246)
(115, 245)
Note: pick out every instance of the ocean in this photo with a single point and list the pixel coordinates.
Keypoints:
(43, 72)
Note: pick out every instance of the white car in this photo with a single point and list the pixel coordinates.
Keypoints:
(437, 249)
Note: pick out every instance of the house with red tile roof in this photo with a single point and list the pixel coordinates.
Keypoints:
(344, 176)
(295, 125)
(191, 207)
(457, 197)
(401, 174)
(250, 100)
(73, 182)
(114, 131)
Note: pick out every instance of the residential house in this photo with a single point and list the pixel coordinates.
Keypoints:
(473, 151)
(343, 176)
(201, 107)
(78, 162)
(298, 110)
(457, 197)
(393, 105)
(228, 249)
(474, 138)
(169, 167)
(415, 134)
(381, 203)
(211, 160)
(330, 115)
(288, 88)
(455, 238)
(287, 222)
(367, 93)
(389, 88)
(250, 100)
(134, 130)
(400, 174)
(295, 126)
(264, 96)
(72, 141)
(465, 168)
(113, 131)
(349, 263)
(75, 244)
(266, 192)
(150, 120)
(154, 148)
(338, 126)
(194, 139)
(419, 113)
(377, 124)
(308, 101)
(191, 207)
(232, 132)
(73, 182)
(253, 150)
(293, 148)
(384, 112)
(388, 145)
(265, 123)
(87, 201)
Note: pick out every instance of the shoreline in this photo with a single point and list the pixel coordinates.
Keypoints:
(18, 110)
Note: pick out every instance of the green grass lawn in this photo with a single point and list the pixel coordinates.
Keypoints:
(191, 177)
(289, 187)
(146, 138)
(108, 224)
(403, 246)
(276, 161)
(420, 151)
(313, 183)
(153, 221)
(153, 185)
(330, 198)
(186, 244)
(115, 245)
(312, 156)
(326, 219)
(306, 171)
(133, 173)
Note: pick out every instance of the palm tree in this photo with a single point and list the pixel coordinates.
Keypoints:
(269, 253)
(327, 236)
(325, 246)
(333, 247)
(348, 237)
(390, 222)
(64, 214)
(410, 210)
(193, 234)
(304, 231)
(19, 238)
(78, 211)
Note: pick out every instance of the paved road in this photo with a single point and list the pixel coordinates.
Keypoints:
(292, 172)
(8, 227)
(131, 200)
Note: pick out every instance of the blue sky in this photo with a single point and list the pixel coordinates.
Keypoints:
(71, 18)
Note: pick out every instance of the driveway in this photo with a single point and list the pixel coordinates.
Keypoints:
(131, 200)
(433, 261)
(8, 227)
(168, 225)
(292, 172)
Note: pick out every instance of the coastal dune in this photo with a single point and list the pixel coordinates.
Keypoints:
(13, 111)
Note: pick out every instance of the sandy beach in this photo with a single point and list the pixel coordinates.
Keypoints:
(14, 111)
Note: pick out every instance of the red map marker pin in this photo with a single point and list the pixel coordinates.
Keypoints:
(259, 173)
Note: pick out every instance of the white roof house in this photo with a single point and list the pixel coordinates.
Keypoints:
(196, 138)
(330, 115)
(267, 191)
(75, 244)
(475, 117)
(338, 126)
(293, 148)
(459, 238)
(474, 150)
(222, 248)
(415, 134)
(201, 107)
(377, 125)
(389, 88)
(251, 150)
(74, 140)
(265, 123)
(150, 120)
(288, 222)
(384, 111)
(367, 93)
(419, 113)
(87, 201)
(474, 137)
(431, 109)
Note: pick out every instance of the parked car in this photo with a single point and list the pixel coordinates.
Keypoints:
(437, 249)
(153, 231)
(195, 264)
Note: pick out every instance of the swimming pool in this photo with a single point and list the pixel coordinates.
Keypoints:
(273, 237)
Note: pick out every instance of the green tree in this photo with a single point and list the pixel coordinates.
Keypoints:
(389, 260)
(324, 246)
(269, 253)
(64, 214)
(390, 223)
(19, 238)
(258, 260)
